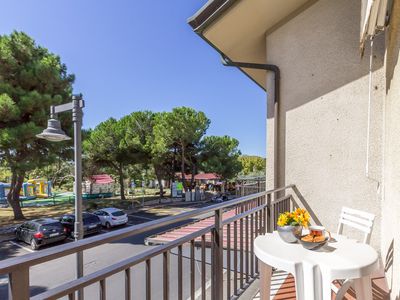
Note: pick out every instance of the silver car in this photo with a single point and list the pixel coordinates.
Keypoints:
(111, 217)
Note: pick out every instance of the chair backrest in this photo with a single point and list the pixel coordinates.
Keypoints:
(357, 219)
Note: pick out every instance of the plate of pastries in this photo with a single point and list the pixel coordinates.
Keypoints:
(313, 242)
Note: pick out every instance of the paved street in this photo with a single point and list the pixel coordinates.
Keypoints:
(59, 271)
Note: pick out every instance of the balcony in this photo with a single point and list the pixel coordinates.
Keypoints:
(216, 261)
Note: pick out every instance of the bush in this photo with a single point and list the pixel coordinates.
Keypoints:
(92, 205)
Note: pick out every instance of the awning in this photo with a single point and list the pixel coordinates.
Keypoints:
(101, 179)
(201, 176)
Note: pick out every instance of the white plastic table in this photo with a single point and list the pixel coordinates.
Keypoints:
(314, 270)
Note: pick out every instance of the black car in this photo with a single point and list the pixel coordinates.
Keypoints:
(91, 223)
(40, 232)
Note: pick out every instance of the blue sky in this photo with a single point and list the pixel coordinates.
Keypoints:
(136, 55)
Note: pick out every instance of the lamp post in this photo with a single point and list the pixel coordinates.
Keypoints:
(54, 133)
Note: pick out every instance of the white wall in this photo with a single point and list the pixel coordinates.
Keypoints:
(323, 111)
(390, 230)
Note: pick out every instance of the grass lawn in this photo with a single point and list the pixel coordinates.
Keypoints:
(61, 207)
(6, 214)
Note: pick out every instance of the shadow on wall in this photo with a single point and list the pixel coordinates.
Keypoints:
(307, 75)
(393, 47)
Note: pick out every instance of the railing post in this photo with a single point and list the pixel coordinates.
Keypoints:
(18, 284)
(268, 216)
(218, 252)
(166, 275)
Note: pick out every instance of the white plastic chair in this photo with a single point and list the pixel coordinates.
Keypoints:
(362, 221)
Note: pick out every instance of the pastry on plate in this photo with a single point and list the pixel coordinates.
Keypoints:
(307, 238)
(318, 239)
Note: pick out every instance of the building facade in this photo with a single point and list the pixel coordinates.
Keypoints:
(333, 121)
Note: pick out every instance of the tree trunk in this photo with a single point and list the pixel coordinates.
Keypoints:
(121, 182)
(13, 195)
(193, 174)
(183, 168)
(160, 186)
(91, 188)
(172, 179)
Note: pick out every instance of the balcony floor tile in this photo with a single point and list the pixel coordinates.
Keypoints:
(283, 288)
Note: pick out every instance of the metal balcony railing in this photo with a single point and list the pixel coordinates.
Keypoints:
(250, 186)
(233, 263)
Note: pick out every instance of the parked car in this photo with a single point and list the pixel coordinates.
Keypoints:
(40, 232)
(221, 197)
(111, 217)
(91, 223)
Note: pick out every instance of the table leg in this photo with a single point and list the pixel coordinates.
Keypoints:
(312, 282)
(327, 288)
(265, 280)
(363, 288)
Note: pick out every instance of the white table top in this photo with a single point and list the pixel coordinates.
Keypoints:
(345, 258)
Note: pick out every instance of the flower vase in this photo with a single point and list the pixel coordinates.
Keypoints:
(289, 233)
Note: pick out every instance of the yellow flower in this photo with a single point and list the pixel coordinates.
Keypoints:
(283, 219)
(301, 216)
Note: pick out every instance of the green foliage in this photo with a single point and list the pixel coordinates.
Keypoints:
(5, 174)
(31, 79)
(120, 143)
(59, 172)
(182, 127)
(8, 108)
(252, 165)
(106, 146)
(145, 145)
(139, 129)
(181, 131)
(160, 143)
(220, 154)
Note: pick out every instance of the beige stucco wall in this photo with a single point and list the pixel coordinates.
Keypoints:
(391, 197)
(324, 111)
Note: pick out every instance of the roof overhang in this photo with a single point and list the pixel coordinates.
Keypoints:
(237, 28)
(375, 15)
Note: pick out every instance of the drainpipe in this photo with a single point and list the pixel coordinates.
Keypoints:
(371, 59)
(273, 68)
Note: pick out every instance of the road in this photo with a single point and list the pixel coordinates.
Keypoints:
(56, 272)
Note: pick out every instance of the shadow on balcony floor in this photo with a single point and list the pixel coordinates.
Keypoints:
(282, 288)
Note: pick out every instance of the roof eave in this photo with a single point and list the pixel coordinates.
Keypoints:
(205, 16)
(210, 11)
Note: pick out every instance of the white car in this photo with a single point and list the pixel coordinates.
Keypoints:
(111, 217)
